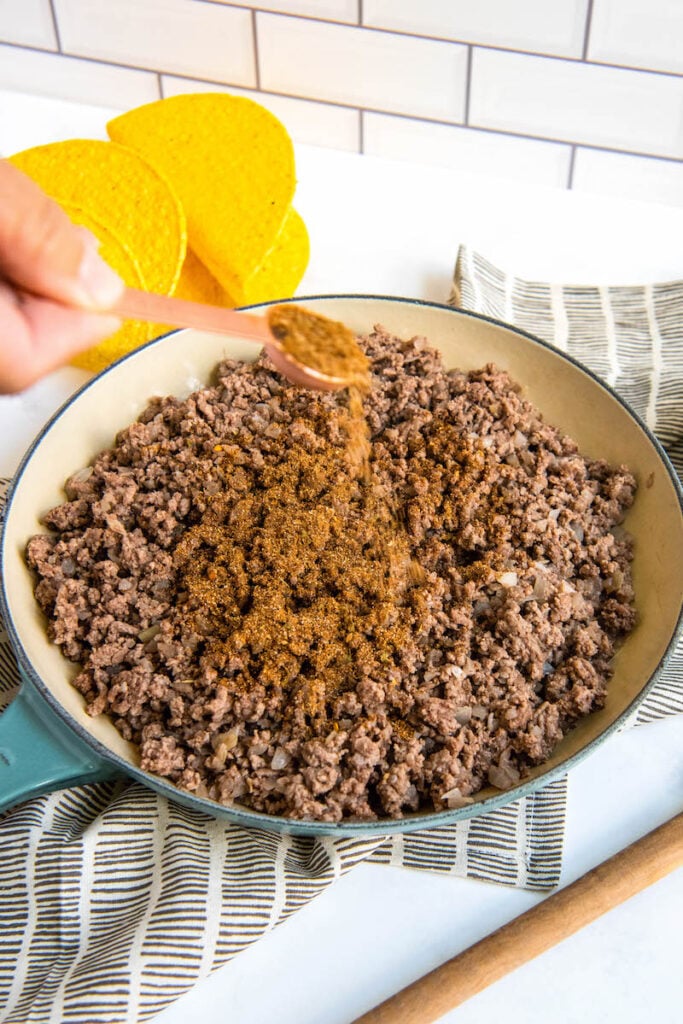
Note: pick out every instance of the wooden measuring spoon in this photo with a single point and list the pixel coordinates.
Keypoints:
(309, 349)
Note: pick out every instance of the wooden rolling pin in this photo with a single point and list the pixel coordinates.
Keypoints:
(560, 915)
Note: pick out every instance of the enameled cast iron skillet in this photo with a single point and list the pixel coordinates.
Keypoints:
(47, 741)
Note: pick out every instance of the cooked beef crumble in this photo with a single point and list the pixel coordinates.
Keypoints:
(277, 625)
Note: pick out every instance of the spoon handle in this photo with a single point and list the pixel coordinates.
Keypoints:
(164, 309)
(560, 915)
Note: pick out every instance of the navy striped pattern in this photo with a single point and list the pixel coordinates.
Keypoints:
(518, 845)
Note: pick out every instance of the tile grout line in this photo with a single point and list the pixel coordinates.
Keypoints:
(587, 31)
(361, 132)
(55, 25)
(570, 169)
(293, 15)
(360, 13)
(468, 86)
(254, 43)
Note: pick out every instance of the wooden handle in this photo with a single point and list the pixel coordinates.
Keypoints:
(164, 309)
(562, 914)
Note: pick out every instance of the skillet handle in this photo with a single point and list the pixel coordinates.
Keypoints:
(38, 754)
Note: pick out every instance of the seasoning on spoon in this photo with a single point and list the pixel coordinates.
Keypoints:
(325, 351)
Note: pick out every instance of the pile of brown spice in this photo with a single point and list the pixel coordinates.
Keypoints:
(305, 581)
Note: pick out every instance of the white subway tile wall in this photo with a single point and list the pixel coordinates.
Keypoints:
(28, 23)
(640, 33)
(619, 174)
(83, 81)
(204, 40)
(555, 27)
(402, 138)
(362, 68)
(585, 94)
(559, 99)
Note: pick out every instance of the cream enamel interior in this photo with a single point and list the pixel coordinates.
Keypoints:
(568, 396)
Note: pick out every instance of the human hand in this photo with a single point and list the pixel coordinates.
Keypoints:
(53, 282)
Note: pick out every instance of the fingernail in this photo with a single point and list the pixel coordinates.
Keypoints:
(101, 285)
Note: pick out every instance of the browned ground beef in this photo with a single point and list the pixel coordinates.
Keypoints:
(273, 628)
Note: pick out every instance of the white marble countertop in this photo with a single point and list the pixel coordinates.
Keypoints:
(389, 228)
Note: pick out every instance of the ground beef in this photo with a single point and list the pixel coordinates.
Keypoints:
(275, 625)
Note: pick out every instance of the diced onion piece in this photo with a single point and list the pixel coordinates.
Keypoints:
(148, 634)
(226, 739)
(454, 799)
(280, 759)
(503, 776)
(577, 530)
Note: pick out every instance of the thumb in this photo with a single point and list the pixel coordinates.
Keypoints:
(43, 252)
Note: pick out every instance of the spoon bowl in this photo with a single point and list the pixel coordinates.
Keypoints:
(297, 373)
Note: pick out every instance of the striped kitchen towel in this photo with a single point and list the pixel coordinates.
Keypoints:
(114, 901)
